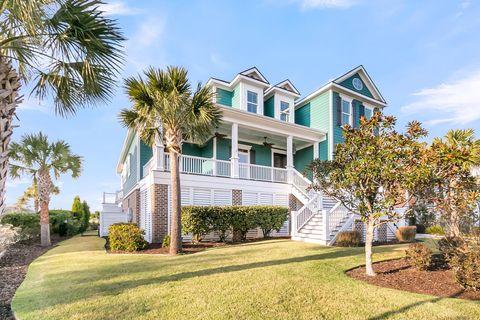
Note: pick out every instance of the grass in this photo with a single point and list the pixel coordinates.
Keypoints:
(277, 279)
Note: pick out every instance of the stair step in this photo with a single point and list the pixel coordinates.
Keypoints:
(311, 236)
(311, 231)
(312, 227)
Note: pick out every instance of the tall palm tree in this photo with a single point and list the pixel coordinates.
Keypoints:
(34, 153)
(453, 158)
(165, 109)
(66, 50)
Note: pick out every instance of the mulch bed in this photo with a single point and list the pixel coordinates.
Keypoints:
(398, 274)
(13, 268)
(156, 248)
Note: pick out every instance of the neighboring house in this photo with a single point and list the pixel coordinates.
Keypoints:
(258, 155)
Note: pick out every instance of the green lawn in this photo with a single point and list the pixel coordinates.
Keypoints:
(277, 279)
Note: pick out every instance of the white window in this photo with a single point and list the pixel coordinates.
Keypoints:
(346, 112)
(284, 110)
(368, 113)
(252, 102)
(243, 156)
(127, 164)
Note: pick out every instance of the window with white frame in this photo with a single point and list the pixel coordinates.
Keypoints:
(284, 110)
(127, 164)
(346, 112)
(252, 102)
(243, 156)
(368, 113)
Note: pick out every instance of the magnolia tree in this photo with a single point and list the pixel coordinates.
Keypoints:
(371, 172)
(8, 235)
(454, 190)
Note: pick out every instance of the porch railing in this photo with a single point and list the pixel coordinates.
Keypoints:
(112, 197)
(222, 168)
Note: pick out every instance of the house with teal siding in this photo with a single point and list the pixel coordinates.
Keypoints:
(259, 154)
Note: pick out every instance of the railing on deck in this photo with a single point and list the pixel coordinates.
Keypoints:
(299, 181)
(147, 168)
(337, 217)
(113, 197)
(222, 168)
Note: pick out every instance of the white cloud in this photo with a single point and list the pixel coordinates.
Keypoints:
(319, 4)
(454, 102)
(33, 104)
(13, 183)
(118, 8)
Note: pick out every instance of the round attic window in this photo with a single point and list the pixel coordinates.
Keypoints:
(357, 84)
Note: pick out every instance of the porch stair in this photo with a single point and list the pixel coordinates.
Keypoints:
(321, 218)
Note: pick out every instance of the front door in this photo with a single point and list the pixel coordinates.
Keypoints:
(279, 160)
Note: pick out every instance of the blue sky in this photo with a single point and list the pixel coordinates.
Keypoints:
(422, 55)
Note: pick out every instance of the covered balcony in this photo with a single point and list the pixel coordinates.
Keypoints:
(246, 146)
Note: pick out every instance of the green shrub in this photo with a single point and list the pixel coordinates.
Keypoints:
(221, 220)
(196, 220)
(126, 237)
(406, 234)
(435, 230)
(269, 218)
(349, 239)
(242, 221)
(448, 246)
(166, 241)
(28, 222)
(464, 260)
(419, 255)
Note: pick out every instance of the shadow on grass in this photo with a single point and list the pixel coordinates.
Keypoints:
(90, 283)
(390, 313)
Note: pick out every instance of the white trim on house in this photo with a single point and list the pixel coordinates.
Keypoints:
(365, 78)
(330, 135)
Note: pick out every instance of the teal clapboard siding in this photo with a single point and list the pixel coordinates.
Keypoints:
(302, 115)
(349, 85)
(263, 155)
(323, 149)
(207, 149)
(131, 180)
(224, 97)
(302, 158)
(146, 153)
(269, 107)
(236, 97)
(191, 149)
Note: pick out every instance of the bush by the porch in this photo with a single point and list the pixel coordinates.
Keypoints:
(199, 220)
(406, 234)
(349, 239)
(126, 237)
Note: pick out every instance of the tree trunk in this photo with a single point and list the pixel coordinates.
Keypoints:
(9, 99)
(368, 247)
(454, 225)
(44, 190)
(176, 231)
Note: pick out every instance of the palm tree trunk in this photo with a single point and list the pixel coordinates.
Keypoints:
(368, 247)
(44, 189)
(9, 99)
(176, 231)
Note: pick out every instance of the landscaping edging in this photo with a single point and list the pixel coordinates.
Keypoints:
(398, 274)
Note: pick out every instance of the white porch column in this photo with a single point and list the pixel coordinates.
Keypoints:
(234, 158)
(316, 155)
(158, 155)
(289, 157)
(214, 158)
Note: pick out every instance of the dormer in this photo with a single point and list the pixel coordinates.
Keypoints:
(280, 101)
(244, 92)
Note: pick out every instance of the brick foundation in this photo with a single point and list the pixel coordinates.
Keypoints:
(159, 206)
(236, 197)
(133, 202)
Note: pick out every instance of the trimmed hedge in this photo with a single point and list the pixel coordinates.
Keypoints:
(126, 237)
(28, 222)
(349, 239)
(200, 220)
(406, 234)
(435, 230)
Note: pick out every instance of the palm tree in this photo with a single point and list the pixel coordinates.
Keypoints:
(34, 153)
(166, 110)
(64, 49)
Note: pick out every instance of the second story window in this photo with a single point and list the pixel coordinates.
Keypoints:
(252, 101)
(284, 110)
(346, 113)
(368, 113)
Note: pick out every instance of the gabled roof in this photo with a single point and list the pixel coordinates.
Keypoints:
(286, 87)
(254, 73)
(360, 70)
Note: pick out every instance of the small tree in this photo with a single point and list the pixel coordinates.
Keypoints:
(455, 191)
(86, 216)
(371, 172)
(77, 208)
